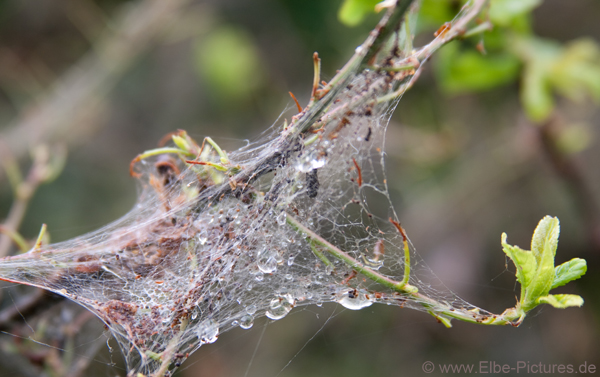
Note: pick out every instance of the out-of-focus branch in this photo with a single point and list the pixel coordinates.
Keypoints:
(570, 173)
(55, 116)
(47, 165)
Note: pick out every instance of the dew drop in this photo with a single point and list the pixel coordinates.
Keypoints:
(281, 218)
(251, 309)
(355, 300)
(208, 331)
(267, 261)
(246, 321)
(310, 162)
(280, 307)
(235, 323)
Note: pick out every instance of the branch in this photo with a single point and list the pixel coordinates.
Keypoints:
(438, 309)
(81, 90)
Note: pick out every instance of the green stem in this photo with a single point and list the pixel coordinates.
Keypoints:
(159, 151)
(220, 152)
(443, 312)
(397, 68)
(321, 256)
(16, 238)
(486, 26)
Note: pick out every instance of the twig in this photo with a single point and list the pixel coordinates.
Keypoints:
(437, 309)
(569, 171)
(82, 88)
(40, 172)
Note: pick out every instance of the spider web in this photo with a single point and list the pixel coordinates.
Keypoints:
(204, 251)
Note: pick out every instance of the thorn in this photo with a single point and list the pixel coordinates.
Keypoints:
(137, 159)
(399, 227)
(317, 77)
(38, 243)
(443, 29)
(359, 180)
(295, 100)
(481, 47)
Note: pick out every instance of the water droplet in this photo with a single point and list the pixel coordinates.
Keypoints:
(259, 276)
(373, 263)
(355, 300)
(280, 307)
(208, 331)
(290, 261)
(267, 260)
(319, 303)
(281, 218)
(235, 323)
(251, 309)
(246, 321)
(310, 161)
(194, 314)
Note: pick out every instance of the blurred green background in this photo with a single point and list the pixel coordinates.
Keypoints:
(479, 146)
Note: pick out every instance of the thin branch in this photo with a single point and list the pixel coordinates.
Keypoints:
(438, 309)
(80, 91)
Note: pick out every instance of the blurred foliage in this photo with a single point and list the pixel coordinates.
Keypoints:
(229, 61)
(513, 51)
(353, 12)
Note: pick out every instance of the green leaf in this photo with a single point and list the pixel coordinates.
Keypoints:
(502, 12)
(545, 237)
(576, 71)
(536, 93)
(468, 71)
(543, 247)
(352, 12)
(229, 61)
(181, 142)
(561, 301)
(524, 262)
(569, 271)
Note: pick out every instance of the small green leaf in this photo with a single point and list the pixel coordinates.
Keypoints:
(576, 71)
(353, 12)
(524, 262)
(543, 247)
(181, 142)
(569, 271)
(467, 71)
(545, 237)
(561, 301)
